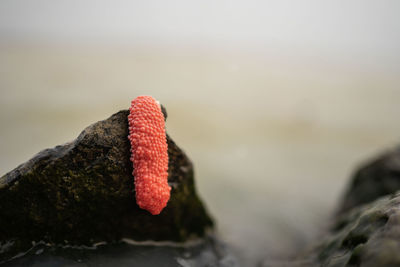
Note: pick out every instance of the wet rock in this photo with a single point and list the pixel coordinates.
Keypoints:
(377, 178)
(368, 235)
(366, 230)
(82, 192)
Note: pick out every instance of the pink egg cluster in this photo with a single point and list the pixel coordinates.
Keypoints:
(149, 154)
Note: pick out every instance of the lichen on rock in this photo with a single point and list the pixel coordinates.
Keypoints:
(82, 192)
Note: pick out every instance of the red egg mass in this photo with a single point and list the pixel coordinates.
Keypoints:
(149, 154)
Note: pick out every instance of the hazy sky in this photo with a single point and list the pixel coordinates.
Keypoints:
(361, 24)
(363, 32)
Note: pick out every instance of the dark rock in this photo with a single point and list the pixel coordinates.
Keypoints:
(82, 192)
(367, 235)
(377, 178)
(366, 230)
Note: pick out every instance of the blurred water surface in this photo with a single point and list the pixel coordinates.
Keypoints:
(273, 137)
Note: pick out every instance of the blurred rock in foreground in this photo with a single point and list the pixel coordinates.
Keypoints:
(82, 193)
(377, 178)
(366, 231)
(367, 236)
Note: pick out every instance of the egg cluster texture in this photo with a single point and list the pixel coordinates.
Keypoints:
(149, 154)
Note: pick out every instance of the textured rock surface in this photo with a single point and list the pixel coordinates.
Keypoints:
(368, 235)
(82, 192)
(377, 178)
(366, 230)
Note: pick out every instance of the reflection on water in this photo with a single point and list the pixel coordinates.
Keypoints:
(273, 138)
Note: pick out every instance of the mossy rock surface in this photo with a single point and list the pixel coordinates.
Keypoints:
(82, 192)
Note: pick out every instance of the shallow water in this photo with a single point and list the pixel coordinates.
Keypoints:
(208, 253)
(274, 138)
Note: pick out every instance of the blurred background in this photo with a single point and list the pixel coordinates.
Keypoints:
(275, 102)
